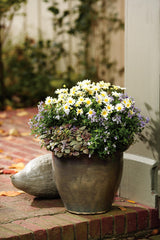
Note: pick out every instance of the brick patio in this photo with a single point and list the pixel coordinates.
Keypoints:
(27, 217)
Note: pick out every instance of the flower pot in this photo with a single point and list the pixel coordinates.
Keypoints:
(88, 185)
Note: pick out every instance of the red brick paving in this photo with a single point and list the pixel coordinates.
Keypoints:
(27, 217)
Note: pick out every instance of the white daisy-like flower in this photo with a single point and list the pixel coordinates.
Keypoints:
(61, 96)
(116, 87)
(81, 99)
(90, 113)
(70, 101)
(49, 100)
(74, 90)
(99, 99)
(88, 101)
(96, 88)
(131, 112)
(86, 88)
(79, 93)
(66, 109)
(62, 90)
(103, 94)
(84, 82)
(79, 111)
(104, 113)
(119, 107)
(104, 85)
(107, 99)
(110, 107)
(116, 94)
(90, 91)
(78, 103)
(127, 102)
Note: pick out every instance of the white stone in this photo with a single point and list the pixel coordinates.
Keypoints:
(37, 178)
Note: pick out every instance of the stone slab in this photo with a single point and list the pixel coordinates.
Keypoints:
(138, 180)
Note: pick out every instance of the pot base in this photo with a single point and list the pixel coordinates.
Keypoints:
(87, 213)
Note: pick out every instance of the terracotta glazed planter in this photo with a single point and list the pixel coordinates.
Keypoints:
(88, 185)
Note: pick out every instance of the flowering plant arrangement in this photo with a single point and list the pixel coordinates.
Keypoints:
(86, 119)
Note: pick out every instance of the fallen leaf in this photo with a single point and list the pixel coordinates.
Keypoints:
(22, 113)
(130, 201)
(2, 156)
(1, 123)
(9, 171)
(24, 134)
(9, 108)
(18, 166)
(10, 193)
(3, 115)
(1, 151)
(154, 232)
(14, 132)
(18, 160)
(3, 132)
(122, 208)
(9, 138)
(36, 139)
(8, 157)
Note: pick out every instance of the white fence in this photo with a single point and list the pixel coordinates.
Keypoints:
(37, 22)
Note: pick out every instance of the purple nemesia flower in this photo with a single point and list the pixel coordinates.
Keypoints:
(117, 119)
(130, 115)
(142, 124)
(40, 106)
(147, 119)
(115, 137)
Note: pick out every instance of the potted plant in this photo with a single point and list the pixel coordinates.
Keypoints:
(87, 128)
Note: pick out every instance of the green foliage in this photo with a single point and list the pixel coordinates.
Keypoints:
(8, 9)
(7, 5)
(67, 140)
(89, 15)
(110, 117)
(32, 69)
(31, 73)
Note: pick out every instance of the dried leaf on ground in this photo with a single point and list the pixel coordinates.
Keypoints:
(3, 132)
(9, 108)
(11, 193)
(24, 134)
(8, 171)
(1, 123)
(9, 138)
(22, 114)
(14, 132)
(154, 232)
(3, 115)
(1, 170)
(18, 166)
(122, 208)
(131, 201)
(1, 151)
(3, 156)
(18, 160)
(36, 139)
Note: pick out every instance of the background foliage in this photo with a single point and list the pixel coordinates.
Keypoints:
(30, 70)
